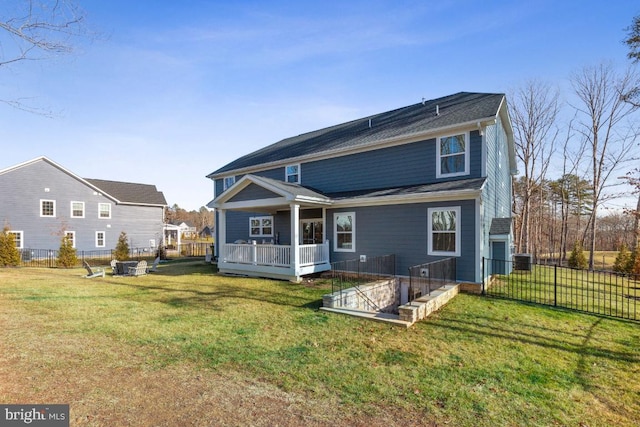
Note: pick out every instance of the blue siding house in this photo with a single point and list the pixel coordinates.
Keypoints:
(424, 182)
(41, 201)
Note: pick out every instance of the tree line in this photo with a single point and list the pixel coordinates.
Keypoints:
(571, 171)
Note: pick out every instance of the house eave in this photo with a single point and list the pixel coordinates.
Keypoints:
(439, 196)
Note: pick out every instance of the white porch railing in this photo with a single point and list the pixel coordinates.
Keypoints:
(274, 255)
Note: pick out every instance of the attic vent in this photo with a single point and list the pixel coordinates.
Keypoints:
(423, 102)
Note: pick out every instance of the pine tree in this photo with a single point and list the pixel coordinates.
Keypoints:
(122, 248)
(67, 255)
(633, 264)
(9, 254)
(577, 258)
(623, 259)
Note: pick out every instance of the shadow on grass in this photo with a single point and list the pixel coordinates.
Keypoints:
(514, 329)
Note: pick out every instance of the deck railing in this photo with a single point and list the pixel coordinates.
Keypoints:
(274, 255)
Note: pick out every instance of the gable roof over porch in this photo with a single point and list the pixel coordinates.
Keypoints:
(252, 192)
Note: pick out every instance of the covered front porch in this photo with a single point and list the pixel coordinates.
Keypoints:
(271, 248)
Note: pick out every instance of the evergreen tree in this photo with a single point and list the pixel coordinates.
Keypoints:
(633, 263)
(577, 259)
(9, 254)
(622, 262)
(122, 248)
(67, 255)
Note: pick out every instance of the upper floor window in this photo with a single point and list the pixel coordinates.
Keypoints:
(48, 208)
(444, 231)
(292, 174)
(261, 226)
(77, 209)
(453, 155)
(104, 210)
(344, 224)
(228, 182)
(17, 238)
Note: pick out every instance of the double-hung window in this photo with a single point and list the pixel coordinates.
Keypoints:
(228, 182)
(444, 231)
(344, 231)
(453, 156)
(261, 226)
(104, 210)
(292, 174)
(100, 239)
(18, 238)
(71, 236)
(77, 209)
(48, 208)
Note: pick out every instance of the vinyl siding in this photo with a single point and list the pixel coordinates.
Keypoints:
(402, 230)
(22, 189)
(397, 166)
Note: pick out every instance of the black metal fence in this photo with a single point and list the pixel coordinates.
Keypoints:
(424, 278)
(350, 273)
(49, 257)
(598, 292)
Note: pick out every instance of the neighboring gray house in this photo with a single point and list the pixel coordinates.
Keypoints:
(423, 182)
(40, 201)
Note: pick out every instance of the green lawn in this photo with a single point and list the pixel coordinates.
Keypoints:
(477, 362)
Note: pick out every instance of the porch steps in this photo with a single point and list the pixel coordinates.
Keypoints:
(410, 313)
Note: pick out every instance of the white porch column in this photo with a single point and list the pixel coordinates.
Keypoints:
(221, 233)
(295, 236)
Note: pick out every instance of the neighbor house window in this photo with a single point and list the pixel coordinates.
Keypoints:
(229, 181)
(77, 209)
(104, 210)
(453, 155)
(100, 239)
(47, 208)
(292, 174)
(444, 231)
(71, 235)
(17, 238)
(261, 226)
(344, 232)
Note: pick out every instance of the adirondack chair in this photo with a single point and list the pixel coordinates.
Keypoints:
(154, 266)
(139, 270)
(98, 272)
(114, 267)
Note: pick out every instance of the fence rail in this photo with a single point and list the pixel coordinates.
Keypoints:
(598, 292)
(424, 278)
(48, 258)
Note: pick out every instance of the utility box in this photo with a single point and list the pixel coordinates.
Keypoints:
(522, 262)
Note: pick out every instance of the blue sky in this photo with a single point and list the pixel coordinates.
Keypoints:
(171, 91)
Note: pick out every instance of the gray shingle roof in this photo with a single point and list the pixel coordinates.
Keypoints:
(129, 192)
(449, 186)
(454, 109)
(500, 226)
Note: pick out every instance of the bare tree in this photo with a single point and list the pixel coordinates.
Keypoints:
(32, 30)
(533, 110)
(603, 124)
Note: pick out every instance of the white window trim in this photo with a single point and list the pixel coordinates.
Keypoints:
(286, 174)
(71, 208)
(430, 250)
(99, 211)
(224, 182)
(104, 239)
(466, 171)
(54, 208)
(335, 232)
(73, 238)
(260, 218)
(21, 233)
